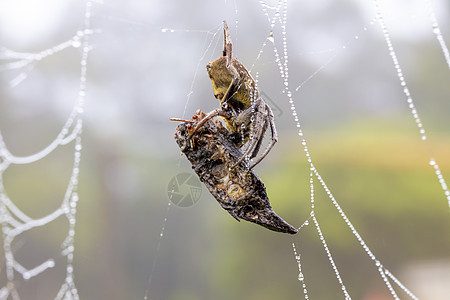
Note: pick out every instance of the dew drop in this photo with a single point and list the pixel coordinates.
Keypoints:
(51, 263)
(76, 43)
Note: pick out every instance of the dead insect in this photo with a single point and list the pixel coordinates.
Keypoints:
(217, 161)
(246, 114)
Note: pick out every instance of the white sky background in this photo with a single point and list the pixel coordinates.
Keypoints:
(27, 21)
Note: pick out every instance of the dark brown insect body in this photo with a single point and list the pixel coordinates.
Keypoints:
(239, 190)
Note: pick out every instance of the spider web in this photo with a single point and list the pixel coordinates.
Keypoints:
(14, 221)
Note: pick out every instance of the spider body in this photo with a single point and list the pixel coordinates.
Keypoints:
(245, 91)
(239, 95)
(246, 114)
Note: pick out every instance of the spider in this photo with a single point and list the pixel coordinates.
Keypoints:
(246, 114)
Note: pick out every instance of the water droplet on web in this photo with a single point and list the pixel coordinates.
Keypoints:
(300, 276)
(76, 43)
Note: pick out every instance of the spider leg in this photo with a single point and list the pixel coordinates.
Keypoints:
(273, 129)
(227, 45)
(254, 144)
(231, 88)
(259, 125)
(228, 53)
(209, 116)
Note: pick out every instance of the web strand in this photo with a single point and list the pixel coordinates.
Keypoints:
(407, 93)
(14, 221)
(437, 31)
(208, 43)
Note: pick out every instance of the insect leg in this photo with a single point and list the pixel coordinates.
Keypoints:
(209, 116)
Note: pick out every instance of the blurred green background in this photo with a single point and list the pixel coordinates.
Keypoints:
(359, 129)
